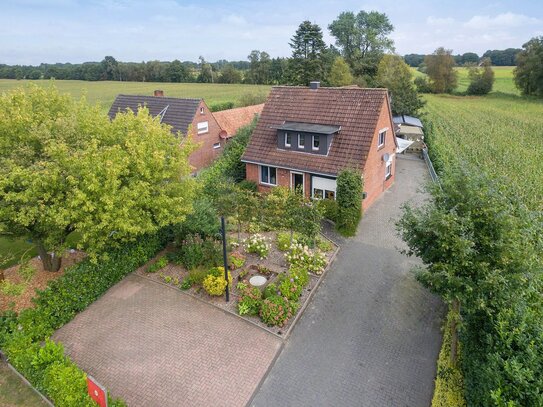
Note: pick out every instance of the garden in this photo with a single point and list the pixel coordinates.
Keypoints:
(271, 274)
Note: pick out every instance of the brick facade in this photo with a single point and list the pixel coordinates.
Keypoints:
(205, 153)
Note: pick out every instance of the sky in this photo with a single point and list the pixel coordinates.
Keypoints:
(35, 31)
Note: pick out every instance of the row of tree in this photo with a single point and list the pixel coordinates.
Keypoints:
(506, 57)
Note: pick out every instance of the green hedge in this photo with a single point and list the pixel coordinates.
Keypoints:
(24, 339)
(349, 201)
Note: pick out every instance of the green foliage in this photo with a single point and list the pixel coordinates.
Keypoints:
(311, 260)
(324, 245)
(26, 270)
(195, 251)
(394, 74)
(299, 273)
(157, 265)
(252, 98)
(308, 47)
(11, 289)
(349, 200)
(481, 79)
(271, 289)
(290, 288)
(362, 38)
(340, 73)
(276, 310)
(257, 244)
(250, 300)
(218, 106)
(111, 180)
(45, 365)
(329, 208)
(422, 84)
(236, 259)
(229, 74)
(215, 283)
(203, 221)
(283, 240)
(449, 384)
(439, 67)
(529, 70)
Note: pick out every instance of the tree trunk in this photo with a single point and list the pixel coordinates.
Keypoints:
(49, 260)
(455, 314)
(1, 275)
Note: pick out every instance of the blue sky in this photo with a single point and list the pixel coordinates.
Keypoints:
(34, 31)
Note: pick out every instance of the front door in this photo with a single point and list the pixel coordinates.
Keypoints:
(297, 181)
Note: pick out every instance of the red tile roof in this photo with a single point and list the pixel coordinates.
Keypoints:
(232, 119)
(355, 109)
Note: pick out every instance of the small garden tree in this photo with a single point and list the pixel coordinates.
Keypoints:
(64, 167)
(349, 199)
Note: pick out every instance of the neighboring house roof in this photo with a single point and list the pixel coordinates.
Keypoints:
(232, 119)
(356, 110)
(409, 130)
(308, 127)
(410, 120)
(176, 112)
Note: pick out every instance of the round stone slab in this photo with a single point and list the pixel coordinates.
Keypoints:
(258, 281)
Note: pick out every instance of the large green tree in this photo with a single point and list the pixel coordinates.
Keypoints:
(394, 74)
(308, 51)
(65, 167)
(529, 70)
(481, 78)
(340, 74)
(440, 70)
(363, 38)
(260, 65)
(177, 72)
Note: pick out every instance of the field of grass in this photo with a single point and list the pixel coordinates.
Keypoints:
(503, 80)
(104, 92)
(501, 134)
(14, 392)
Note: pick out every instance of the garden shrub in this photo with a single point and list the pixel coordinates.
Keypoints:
(203, 221)
(257, 244)
(302, 256)
(324, 245)
(329, 209)
(271, 289)
(157, 265)
(236, 260)
(250, 299)
(283, 240)
(11, 289)
(218, 106)
(276, 310)
(214, 283)
(349, 201)
(300, 274)
(290, 288)
(195, 251)
(21, 337)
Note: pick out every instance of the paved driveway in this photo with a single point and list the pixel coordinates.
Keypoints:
(155, 346)
(371, 336)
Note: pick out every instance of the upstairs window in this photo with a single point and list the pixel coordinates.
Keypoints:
(201, 110)
(203, 127)
(288, 139)
(316, 142)
(301, 141)
(268, 175)
(382, 138)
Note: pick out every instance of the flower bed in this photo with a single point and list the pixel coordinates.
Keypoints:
(291, 276)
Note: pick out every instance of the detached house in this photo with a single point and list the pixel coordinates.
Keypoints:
(184, 115)
(307, 135)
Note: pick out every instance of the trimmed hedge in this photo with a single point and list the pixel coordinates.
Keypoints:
(25, 339)
(349, 201)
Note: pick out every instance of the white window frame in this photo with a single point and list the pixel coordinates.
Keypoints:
(388, 170)
(301, 146)
(313, 143)
(260, 167)
(384, 133)
(202, 110)
(323, 184)
(203, 127)
(286, 138)
(292, 180)
(216, 146)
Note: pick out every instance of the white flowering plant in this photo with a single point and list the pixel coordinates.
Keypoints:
(299, 255)
(257, 244)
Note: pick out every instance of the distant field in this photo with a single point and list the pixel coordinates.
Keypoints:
(501, 134)
(104, 92)
(503, 80)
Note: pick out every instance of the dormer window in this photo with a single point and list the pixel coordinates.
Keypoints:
(288, 139)
(316, 142)
(301, 141)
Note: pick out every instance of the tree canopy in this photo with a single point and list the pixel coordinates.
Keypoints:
(440, 70)
(340, 73)
(529, 70)
(481, 78)
(66, 167)
(308, 49)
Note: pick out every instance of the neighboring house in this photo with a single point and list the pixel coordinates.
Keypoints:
(306, 136)
(184, 115)
(409, 128)
(407, 120)
(232, 119)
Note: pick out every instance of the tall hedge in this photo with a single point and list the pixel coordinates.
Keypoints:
(349, 200)
(25, 338)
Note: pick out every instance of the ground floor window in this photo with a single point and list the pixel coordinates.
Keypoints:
(323, 188)
(268, 175)
(388, 170)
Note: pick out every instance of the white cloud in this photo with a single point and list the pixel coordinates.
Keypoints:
(440, 21)
(505, 20)
(234, 19)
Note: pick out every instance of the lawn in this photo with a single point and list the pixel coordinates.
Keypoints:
(104, 92)
(14, 392)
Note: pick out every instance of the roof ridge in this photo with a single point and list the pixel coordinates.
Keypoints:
(158, 97)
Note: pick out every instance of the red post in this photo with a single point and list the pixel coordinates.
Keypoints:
(97, 392)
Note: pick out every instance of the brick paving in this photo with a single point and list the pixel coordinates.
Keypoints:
(155, 346)
(371, 335)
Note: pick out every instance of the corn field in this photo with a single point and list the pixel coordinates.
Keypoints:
(501, 135)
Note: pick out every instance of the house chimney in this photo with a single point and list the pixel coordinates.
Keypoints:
(314, 85)
(159, 93)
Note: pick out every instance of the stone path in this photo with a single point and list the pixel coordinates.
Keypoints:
(371, 335)
(155, 346)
